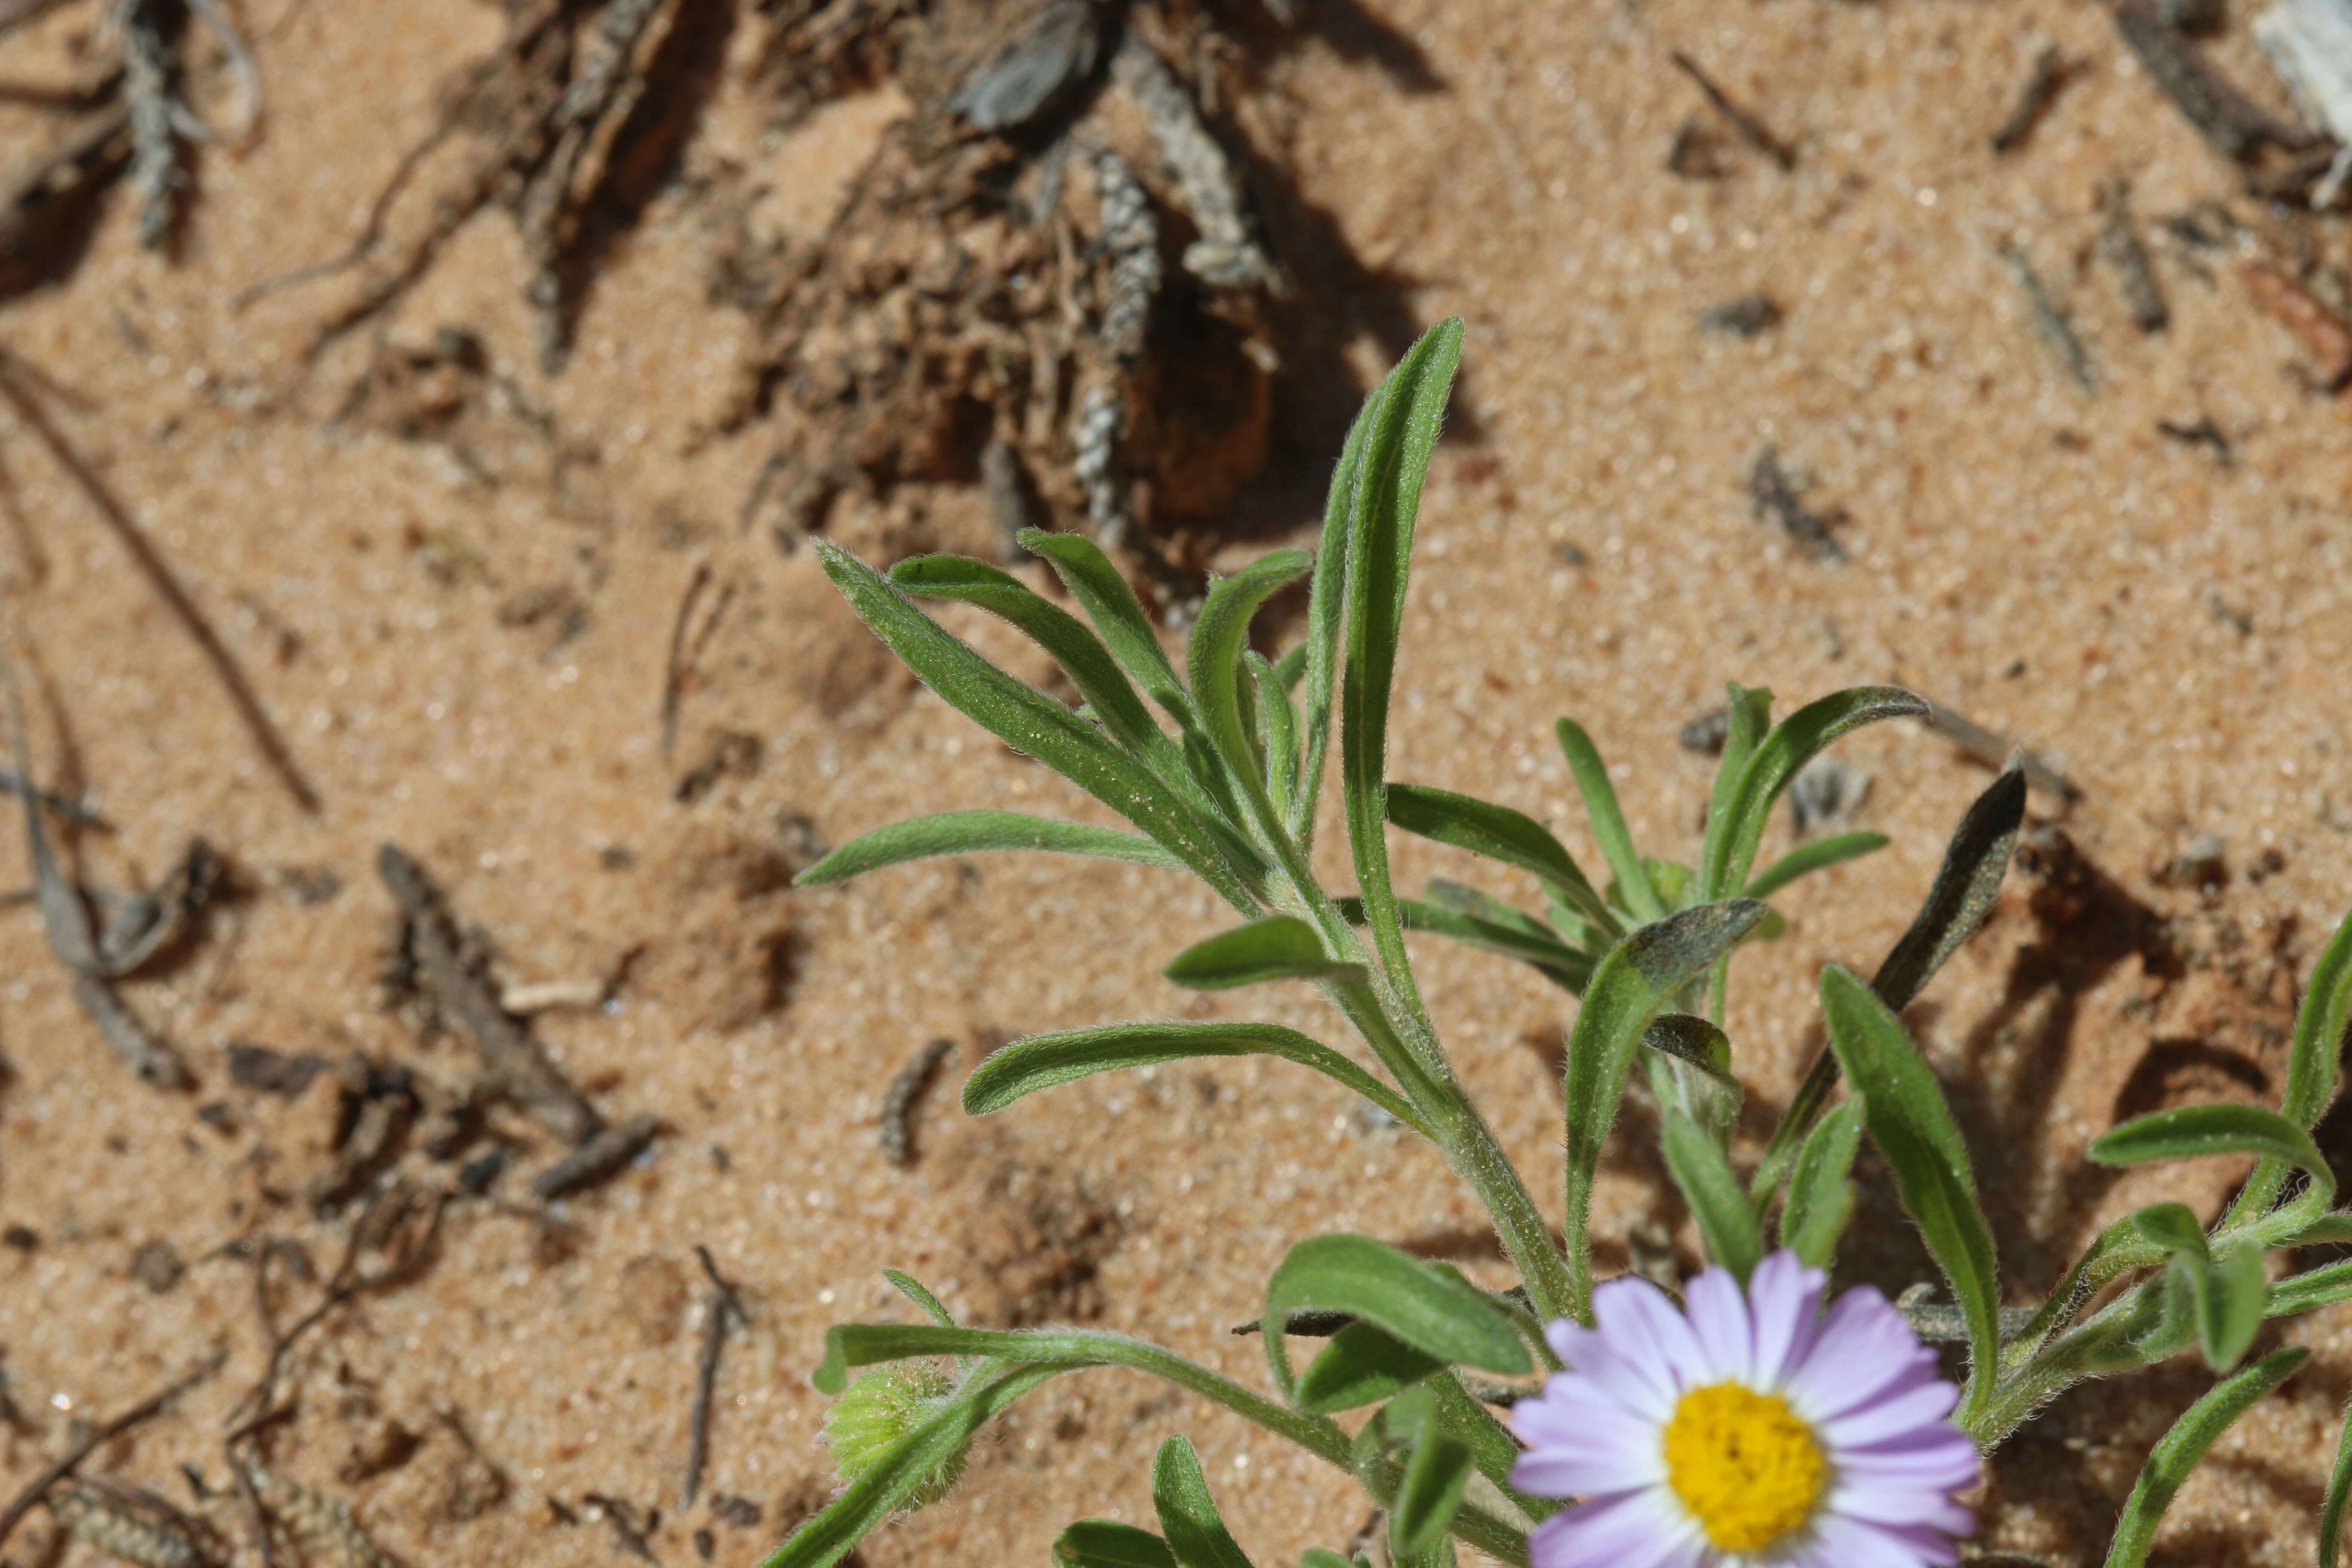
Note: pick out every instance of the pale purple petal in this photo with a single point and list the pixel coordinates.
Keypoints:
(1940, 1455)
(1580, 1445)
(1784, 1298)
(1639, 1529)
(1851, 1544)
(1862, 1349)
(1920, 1406)
(1605, 1367)
(1882, 1504)
(1641, 1324)
(1718, 1318)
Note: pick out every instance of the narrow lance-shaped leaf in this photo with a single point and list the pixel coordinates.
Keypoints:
(2225, 1293)
(2178, 1450)
(1792, 744)
(1434, 1312)
(1327, 620)
(1101, 682)
(1564, 966)
(2339, 1493)
(1042, 1061)
(1277, 721)
(1436, 1468)
(1608, 819)
(1500, 834)
(894, 1477)
(1317, 1557)
(1213, 659)
(1747, 714)
(918, 1292)
(1397, 446)
(1814, 855)
(1360, 1366)
(1196, 1533)
(2310, 1290)
(2193, 1131)
(1633, 986)
(1108, 1543)
(1279, 947)
(1966, 885)
(976, 833)
(2319, 1025)
(2229, 1305)
(1904, 1109)
(1698, 1082)
(1031, 722)
(1716, 1202)
(1820, 1197)
(1102, 591)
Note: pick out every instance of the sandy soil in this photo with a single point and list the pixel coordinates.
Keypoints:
(460, 641)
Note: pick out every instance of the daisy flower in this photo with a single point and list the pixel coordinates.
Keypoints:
(1757, 1432)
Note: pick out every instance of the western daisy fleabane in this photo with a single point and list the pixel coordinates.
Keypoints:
(1759, 1431)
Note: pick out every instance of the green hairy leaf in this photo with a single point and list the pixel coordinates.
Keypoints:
(1436, 1468)
(1279, 947)
(1102, 591)
(1904, 1109)
(2229, 1305)
(978, 832)
(1277, 723)
(828, 1538)
(1407, 411)
(1317, 1557)
(1716, 1201)
(1033, 723)
(2177, 1452)
(2172, 1227)
(1821, 1195)
(1213, 657)
(2193, 1131)
(1965, 887)
(1500, 834)
(1196, 1533)
(1360, 1366)
(1106, 1543)
(1633, 986)
(1041, 1061)
(1508, 932)
(2319, 1031)
(1432, 1312)
(1792, 744)
(1817, 855)
(1326, 620)
(1608, 819)
(915, 1291)
(2339, 1492)
(1747, 714)
(1104, 688)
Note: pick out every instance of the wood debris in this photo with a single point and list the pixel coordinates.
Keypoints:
(2322, 334)
(2127, 258)
(1751, 129)
(131, 1524)
(1777, 496)
(906, 1089)
(600, 1158)
(2050, 321)
(469, 1000)
(2051, 70)
(323, 1526)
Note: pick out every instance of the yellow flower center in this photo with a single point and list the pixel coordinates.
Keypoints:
(1746, 1466)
